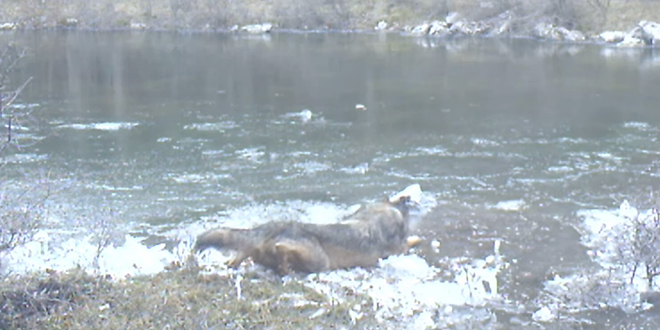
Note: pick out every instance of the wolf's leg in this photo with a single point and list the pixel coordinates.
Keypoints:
(302, 256)
(237, 260)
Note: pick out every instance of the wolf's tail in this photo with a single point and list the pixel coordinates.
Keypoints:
(222, 238)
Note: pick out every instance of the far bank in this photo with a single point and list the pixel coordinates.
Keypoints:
(588, 16)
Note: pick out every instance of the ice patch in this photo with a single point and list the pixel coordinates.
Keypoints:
(623, 243)
(304, 116)
(100, 126)
(311, 167)
(636, 124)
(24, 158)
(46, 252)
(512, 205)
(23, 106)
(204, 178)
(359, 169)
(484, 142)
(210, 127)
(560, 169)
(405, 289)
(251, 154)
(432, 151)
(116, 188)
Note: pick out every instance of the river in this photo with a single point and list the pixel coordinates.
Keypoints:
(151, 137)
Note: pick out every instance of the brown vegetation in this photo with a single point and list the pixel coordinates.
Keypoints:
(178, 299)
(586, 15)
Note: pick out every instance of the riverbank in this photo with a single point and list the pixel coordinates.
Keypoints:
(588, 16)
(619, 22)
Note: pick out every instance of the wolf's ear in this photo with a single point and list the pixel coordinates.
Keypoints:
(403, 200)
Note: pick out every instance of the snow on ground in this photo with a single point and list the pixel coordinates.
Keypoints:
(403, 288)
(617, 280)
(47, 252)
(406, 288)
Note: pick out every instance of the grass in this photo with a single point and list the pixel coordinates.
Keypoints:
(184, 298)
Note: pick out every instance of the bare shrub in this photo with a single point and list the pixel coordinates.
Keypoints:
(601, 9)
(10, 55)
(21, 210)
(638, 246)
(20, 217)
(106, 232)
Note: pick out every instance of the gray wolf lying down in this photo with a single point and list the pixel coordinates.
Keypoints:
(373, 232)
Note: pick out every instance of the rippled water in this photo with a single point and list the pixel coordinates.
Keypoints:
(158, 135)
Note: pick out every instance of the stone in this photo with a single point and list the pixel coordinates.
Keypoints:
(257, 28)
(612, 37)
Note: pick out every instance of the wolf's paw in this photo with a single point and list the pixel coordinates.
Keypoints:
(413, 241)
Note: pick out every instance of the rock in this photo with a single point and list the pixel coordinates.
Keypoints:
(559, 33)
(612, 37)
(469, 28)
(644, 34)
(452, 18)
(381, 26)
(69, 22)
(503, 28)
(573, 35)
(438, 28)
(138, 26)
(421, 29)
(630, 40)
(651, 31)
(637, 37)
(545, 30)
(501, 25)
(257, 28)
(7, 26)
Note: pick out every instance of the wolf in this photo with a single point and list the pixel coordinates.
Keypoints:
(373, 232)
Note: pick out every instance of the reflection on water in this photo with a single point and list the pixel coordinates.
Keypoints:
(166, 134)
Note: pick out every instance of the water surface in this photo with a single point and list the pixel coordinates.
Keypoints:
(161, 134)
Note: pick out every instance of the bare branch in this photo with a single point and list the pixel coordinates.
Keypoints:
(17, 92)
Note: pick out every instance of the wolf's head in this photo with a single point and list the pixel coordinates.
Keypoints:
(403, 204)
(406, 199)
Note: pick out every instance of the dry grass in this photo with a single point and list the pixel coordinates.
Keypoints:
(623, 14)
(179, 299)
(588, 15)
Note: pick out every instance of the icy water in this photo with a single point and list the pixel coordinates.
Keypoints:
(519, 146)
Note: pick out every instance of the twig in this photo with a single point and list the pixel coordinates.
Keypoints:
(17, 92)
